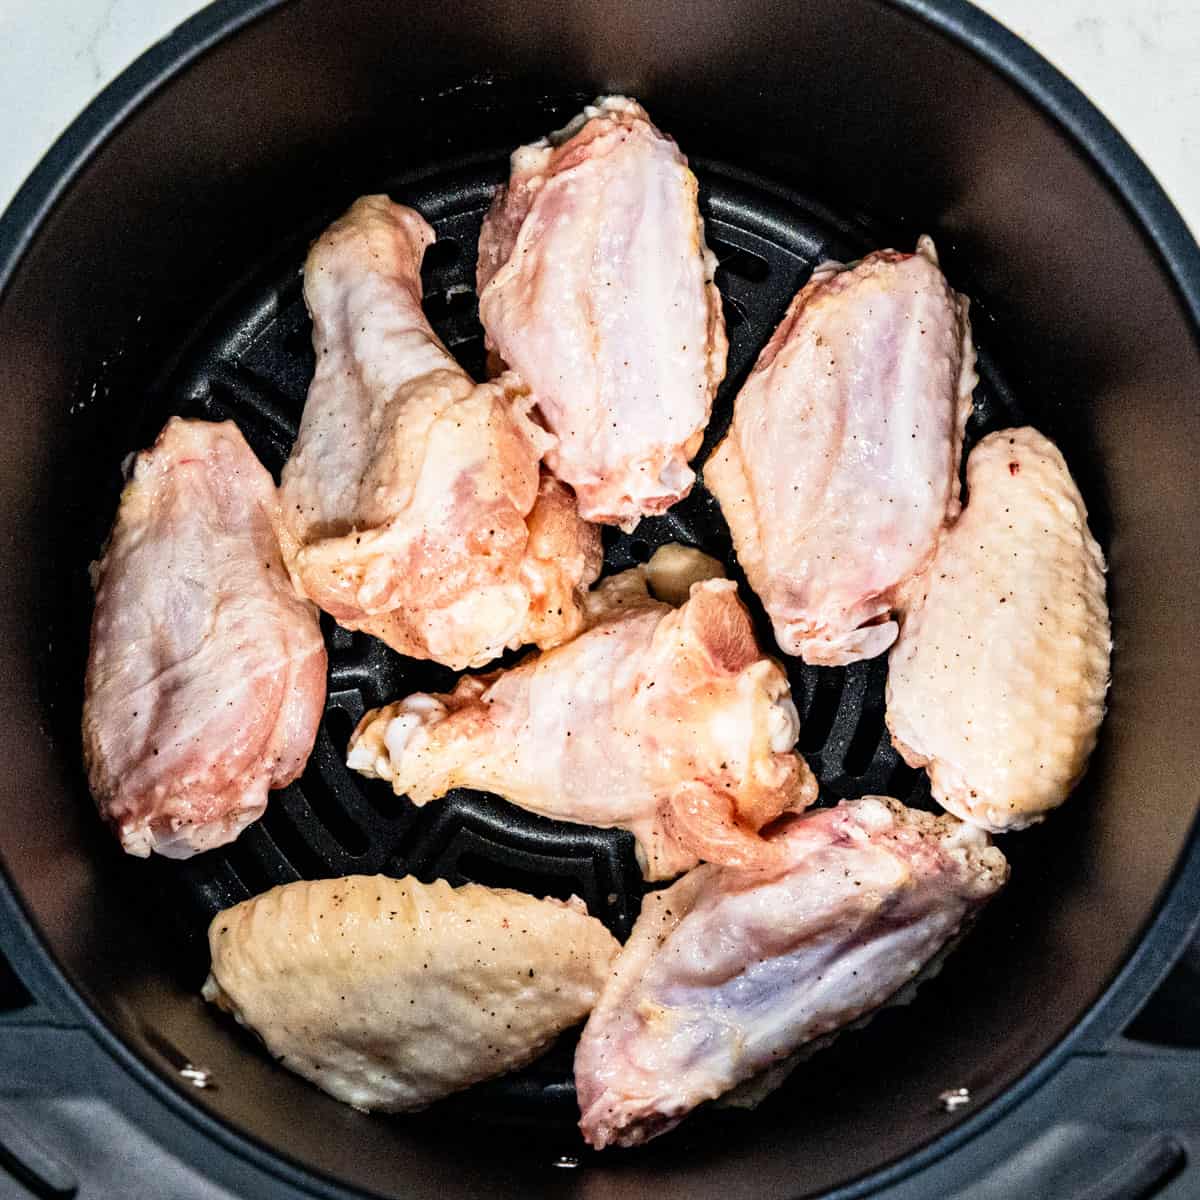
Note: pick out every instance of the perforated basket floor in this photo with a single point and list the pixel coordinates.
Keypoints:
(254, 367)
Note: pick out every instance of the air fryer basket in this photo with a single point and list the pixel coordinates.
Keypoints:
(163, 279)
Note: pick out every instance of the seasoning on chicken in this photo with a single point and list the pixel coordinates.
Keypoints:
(667, 722)
(596, 287)
(413, 504)
(206, 676)
(729, 972)
(996, 685)
(390, 994)
(840, 469)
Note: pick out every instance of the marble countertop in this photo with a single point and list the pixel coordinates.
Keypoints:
(1136, 59)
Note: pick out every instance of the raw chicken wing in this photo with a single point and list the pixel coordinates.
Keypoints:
(413, 503)
(389, 994)
(596, 287)
(840, 469)
(673, 569)
(206, 676)
(667, 722)
(728, 972)
(997, 682)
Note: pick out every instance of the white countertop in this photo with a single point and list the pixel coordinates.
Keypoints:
(1138, 60)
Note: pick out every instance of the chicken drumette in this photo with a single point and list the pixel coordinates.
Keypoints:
(667, 722)
(413, 504)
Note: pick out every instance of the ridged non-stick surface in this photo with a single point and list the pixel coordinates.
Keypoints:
(254, 367)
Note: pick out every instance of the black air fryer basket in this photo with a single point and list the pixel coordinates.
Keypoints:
(150, 267)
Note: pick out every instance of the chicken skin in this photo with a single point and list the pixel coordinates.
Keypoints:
(729, 971)
(596, 287)
(996, 685)
(390, 994)
(413, 504)
(667, 722)
(206, 676)
(840, 469)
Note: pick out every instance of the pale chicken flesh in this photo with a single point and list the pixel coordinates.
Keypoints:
(667, 722)
(997, 683)
(206, 676)
(596, 287)
(729, 972)
(413, 503)
(390, 994)
(840, 469)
